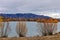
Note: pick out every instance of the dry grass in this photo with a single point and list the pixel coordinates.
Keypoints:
(53, 37)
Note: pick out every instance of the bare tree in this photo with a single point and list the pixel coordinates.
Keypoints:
(51, 28)
(47, 28)
(41, 29)
(2, 28)
(55, 28)
(21, 29)
(7, 30)
(5, 34)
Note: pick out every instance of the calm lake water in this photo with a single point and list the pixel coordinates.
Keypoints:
(31, 26)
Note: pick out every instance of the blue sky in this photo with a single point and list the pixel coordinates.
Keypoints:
(45, 7)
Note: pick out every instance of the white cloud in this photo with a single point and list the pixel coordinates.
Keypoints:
(2, 9)
(36, 6)
(51, 14)
(30, 5)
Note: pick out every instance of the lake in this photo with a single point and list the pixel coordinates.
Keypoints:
(31, 26)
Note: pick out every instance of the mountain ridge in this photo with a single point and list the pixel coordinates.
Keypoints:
(25, 15)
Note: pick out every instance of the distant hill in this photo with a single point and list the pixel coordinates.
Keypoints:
(25, 15)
